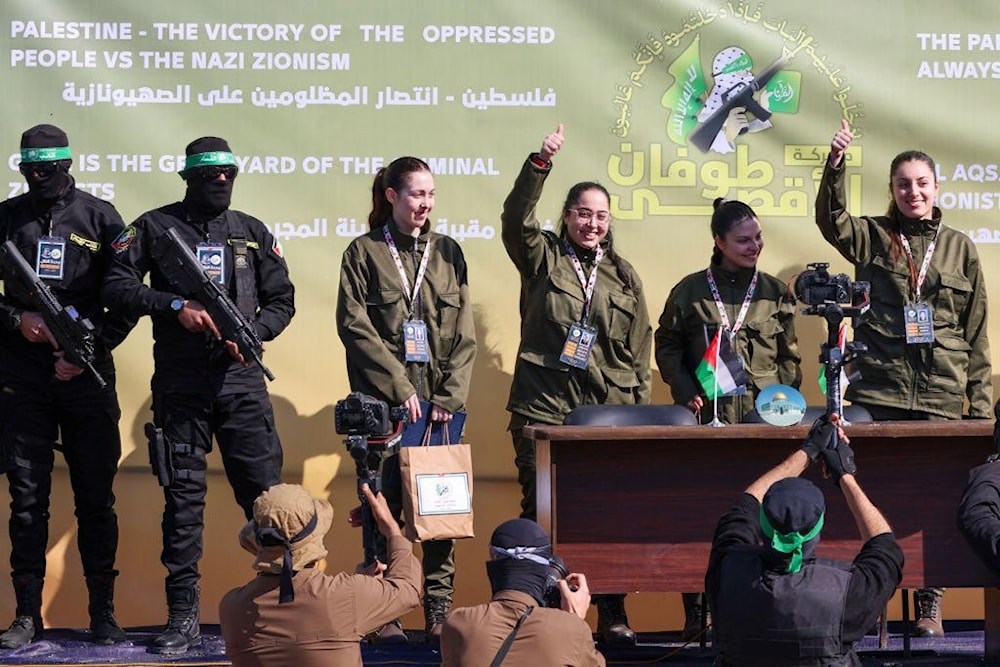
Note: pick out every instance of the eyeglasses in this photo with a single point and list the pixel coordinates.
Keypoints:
(40, 168)
(586, 214)
(213, 173)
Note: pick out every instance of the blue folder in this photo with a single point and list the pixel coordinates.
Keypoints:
(413, 434)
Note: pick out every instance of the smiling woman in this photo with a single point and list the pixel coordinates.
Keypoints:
(921, 272)
(748, 305)
(585, 330)
(405, 319)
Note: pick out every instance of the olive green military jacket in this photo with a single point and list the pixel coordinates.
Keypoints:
(372, 307)
(544, 388)
(936, 377)
(765, 342)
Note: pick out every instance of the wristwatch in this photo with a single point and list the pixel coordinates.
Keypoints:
(15, 320)
(177, 304)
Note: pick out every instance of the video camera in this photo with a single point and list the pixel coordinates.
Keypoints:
(833, 297)
(816, 287)
(371, 428)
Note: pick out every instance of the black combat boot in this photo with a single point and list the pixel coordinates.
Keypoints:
(103, 624)
(436, 610)
(183, 629)
(27, 625)
(693, 607)
(612, 622)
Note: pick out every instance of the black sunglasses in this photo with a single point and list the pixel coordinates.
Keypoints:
(40, 168)
(213, 173)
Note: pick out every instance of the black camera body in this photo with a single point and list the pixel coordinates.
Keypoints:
(557, 571)
(816, 286)
(834, 298)
(360, 414)
(371, 428)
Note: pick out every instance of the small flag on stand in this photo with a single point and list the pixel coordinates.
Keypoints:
(720, 371)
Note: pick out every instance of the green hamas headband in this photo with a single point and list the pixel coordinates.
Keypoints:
(789, 543)
(46, 154)
(210, 159)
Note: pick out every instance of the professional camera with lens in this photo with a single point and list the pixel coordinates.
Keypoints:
(557, 570)
(815, 286)
(834, 298)
(371, 428)
(360, 414)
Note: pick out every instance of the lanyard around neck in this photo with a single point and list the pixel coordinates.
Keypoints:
(924, 265)
(586, 283)
(722, 306)
(419, 278)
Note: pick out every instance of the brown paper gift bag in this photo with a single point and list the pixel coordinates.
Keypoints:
(437, 490)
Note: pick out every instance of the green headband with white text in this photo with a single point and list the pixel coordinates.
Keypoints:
(789, 543)
(209, 159)
(46, 154)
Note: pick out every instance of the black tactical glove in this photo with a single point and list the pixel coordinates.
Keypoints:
(839, 460)
(820, 437)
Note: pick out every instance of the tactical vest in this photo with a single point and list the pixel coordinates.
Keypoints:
(776, 619)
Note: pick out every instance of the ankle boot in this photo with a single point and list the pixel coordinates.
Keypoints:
(693, 606)
(928, 604)
(612, 622)
(436, 610)
(103, 624)
(27, 625)
(183, 629)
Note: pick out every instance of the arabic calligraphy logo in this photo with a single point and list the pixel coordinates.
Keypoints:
(731, 108)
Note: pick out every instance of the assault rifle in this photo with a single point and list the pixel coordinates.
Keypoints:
(740, 95)
(74, 334)
(175, 259)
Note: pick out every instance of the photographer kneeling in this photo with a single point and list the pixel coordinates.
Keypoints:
(516, 621)
(294, 614)
(775, 603)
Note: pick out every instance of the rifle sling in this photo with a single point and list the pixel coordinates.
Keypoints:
(246, 291)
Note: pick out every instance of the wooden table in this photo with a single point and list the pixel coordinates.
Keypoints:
(634, 507)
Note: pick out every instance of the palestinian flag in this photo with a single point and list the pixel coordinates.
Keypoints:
(720, 371)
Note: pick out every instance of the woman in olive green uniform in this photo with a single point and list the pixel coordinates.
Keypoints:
(585, 332)
(928, 353)
(405, 319)
(747, 303)
(750, 306)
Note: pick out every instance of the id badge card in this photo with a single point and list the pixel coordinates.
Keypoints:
(579, 342)
(919, 323)
(212, 258)
(415, 341)
(51, 260)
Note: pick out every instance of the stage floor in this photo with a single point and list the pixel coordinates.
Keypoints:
(962, 645)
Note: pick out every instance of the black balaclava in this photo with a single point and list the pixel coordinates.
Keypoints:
(47, 144)
(519, 552)
(206, 199)
(793, 512)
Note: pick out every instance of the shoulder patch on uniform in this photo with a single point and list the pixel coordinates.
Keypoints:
(276, 248)
(124, 240)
